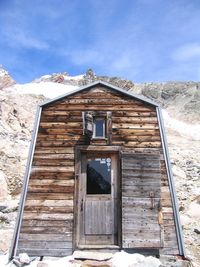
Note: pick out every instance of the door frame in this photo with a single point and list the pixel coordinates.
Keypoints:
(92, 149)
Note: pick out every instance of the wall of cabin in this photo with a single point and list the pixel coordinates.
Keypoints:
(47, 224)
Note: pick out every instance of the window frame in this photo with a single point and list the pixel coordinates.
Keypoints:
(95, 118)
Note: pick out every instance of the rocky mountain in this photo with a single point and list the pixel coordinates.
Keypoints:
(181, 109)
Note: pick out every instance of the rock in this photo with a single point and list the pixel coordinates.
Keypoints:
(5, 240)
(90, 255)
(197, 231)
(177, 171)
(89, 263)
(194, 209)
(4, 218)
(24, 258)
(10, 206)
(3, 187)
(184, 219)
(42, 264)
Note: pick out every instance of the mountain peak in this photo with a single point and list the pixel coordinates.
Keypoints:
(5, 79)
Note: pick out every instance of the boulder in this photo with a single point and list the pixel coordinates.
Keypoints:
(5, 240)
(3, 187)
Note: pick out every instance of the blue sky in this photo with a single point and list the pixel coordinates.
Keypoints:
(142, 40)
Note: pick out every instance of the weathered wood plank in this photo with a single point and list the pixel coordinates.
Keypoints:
(23, 244)
(46, 237)
(46, 223)
(49, 196)
(46, 230)
(46, 252)
(49, 210)
(54, 150)
(50, 189)
(46, 216)
(49, 203)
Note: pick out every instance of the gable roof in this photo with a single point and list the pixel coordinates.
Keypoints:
(108, 85)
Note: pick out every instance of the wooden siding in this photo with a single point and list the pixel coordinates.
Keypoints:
(47, 225)
(140, 201)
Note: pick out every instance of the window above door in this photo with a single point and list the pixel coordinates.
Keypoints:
(99, 130)
(98, 125)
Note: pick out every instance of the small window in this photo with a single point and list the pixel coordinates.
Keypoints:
(99, 176)
(99, 127)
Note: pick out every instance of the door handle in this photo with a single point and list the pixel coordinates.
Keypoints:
(152, 196)
(81, 204)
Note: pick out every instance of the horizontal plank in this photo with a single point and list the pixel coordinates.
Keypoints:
(50, 189)
(138, 243)
(133, 120)
(54, 143)
(49, 196)
(49, 210)
(53, 162)
(51, 117)
(60, 125)
(66, 113)
(46, 223)
(102, 101)
(153, 144)
(45, 216)
(130, 227)
(44, 245)
(59, 136)
(135, 126)
(46, 252)
(137, 138)
(51, 182)
(53, 156)
(137, 132)
(49, 203)
(46, 237)
(57, 150)
(51, 169)
(123, 113)
(52, 175)
(46, 230)
(129, 174)
(110, 107)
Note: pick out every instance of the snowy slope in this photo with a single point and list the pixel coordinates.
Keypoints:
(47, 89)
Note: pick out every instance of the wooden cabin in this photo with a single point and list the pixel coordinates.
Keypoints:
(98, 177)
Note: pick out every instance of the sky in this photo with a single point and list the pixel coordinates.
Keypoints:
(140, 40)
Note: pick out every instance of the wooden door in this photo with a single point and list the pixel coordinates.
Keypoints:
(141, 227)
(98, 200)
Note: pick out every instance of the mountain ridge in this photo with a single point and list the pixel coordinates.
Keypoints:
(179, 100)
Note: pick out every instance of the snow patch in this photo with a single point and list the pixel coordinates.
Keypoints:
(3, 72)
(78, 77)
(133, 260)
(46, 76)
(47, 89)
(183, 128)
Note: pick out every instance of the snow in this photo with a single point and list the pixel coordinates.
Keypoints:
(47, 89)
(183, 128)
(120, 259)
(46, 76)
(78, 77)
(125, 259)
(3, 72)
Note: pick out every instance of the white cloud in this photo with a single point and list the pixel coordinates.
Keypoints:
(187, 52)
(17, 37)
